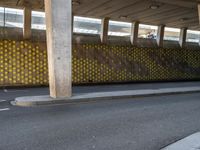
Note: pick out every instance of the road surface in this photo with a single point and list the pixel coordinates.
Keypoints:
(128, 124)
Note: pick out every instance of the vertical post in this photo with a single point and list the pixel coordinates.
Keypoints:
(134, 32)
(27, 23)
(72, 23)
(72, 26)
(199, 10)
(182, 38)
(104, 29)
(4, 17)
(198, 6)
(59, 44)
(160, 35)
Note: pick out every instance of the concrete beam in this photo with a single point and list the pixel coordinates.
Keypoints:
(134, 33)
(182, 38)
(27, 23)
(160, 35)
(59, 44)
(104, 29)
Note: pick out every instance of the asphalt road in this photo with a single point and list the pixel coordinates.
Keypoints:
(126, 124)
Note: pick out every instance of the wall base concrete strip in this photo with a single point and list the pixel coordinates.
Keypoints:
(189, 143)
(46, 99)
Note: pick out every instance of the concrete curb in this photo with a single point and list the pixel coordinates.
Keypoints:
(30, 101)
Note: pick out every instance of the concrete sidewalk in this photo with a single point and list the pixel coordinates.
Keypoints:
(189, 143)
(132, 86)
(87, 97)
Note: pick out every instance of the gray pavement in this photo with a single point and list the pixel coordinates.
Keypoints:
(127, 124)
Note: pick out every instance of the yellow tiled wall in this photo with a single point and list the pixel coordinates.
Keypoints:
(25, 63)
(22, 63)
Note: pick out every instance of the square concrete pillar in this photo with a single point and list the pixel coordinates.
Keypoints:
(104, 30)
(198, 9)
(59, 45)
(182, 38)
(27, 23)
(134, 33)
(160, 35)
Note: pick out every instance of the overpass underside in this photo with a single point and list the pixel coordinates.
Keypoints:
(58, 58)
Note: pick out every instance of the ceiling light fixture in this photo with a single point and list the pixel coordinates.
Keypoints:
(123, 17)
(183, 19)
(154, 7)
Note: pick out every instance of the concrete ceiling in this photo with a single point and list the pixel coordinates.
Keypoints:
(173, 13)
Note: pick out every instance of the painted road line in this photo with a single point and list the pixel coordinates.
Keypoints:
(189, 143)
(2, 101)
(10, 91)
(4, 109)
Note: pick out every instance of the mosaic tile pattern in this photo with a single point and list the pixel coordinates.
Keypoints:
(25, 63)
(22, 63)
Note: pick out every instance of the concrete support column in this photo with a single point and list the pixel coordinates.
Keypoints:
(160, 35)
(134, 32)
(59, 45)
(104, 29)
(72, 26)
(199, 10)
(72, 23)
(27, 23)
(182, 39)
